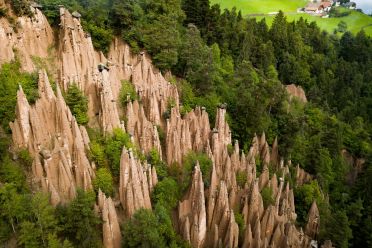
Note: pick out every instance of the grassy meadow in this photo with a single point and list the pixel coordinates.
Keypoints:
(261, 6)
(355, 21)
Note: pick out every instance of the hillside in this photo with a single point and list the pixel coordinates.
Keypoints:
(356, 21)
(261, 6)
(171, 124)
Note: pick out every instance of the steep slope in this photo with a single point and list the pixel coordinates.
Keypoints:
(206, 214)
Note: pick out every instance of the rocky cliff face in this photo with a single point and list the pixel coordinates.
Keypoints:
(26, 38)
(206, 215)
(110, 226)
(56, 142)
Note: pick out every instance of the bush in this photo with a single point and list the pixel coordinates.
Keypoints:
(127, 93)
(21, 7)
(3, 12)
(141, 230)
(11, 77)
(104, 181)
(78, 104)
(101, 36)
(150, 229)
(161, 167)
(25, 158)
(114, 147)
(267, 197)
(166, 193)
(10, 172)
(241, 178)
(97, 154)
(189, 162)
(79, 222)
(305, 195)
(230, 149)
(239, 219)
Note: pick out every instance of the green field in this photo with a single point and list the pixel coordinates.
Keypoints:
(261, 6)
(355, 21)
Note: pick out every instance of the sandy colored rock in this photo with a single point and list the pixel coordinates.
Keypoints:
(52, 136)
(297, 92)
(192, 212)
(312, 226)
(134, 190)
(110, 227)
(32, 38)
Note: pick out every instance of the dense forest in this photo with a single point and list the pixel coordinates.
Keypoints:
(216, 57)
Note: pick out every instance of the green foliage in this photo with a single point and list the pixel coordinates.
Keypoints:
(127, 93)
(21, 7)
(143, 24)
(189, 162)
(150, 229)
(267, 197)
(342, 27)
(97, 154)
(12, 173)
(78, 104)
(42, 223)
(230, 149)
(13, 206)
(337, 229)
(166, 193)
(160, 166)
(3, 12)
(239, 219)
(101, 36)
(79, 222)
(113, 148)
(305, 195)
(241, 178)
(11, 78)
(104, 181)
(25, 158)
(259, 165)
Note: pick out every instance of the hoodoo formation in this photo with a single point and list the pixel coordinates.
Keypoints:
(245, 199)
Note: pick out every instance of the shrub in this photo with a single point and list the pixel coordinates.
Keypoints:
(189, 162)
(97, 154)
(11, 172)
(104, 181)
(79, 222)
(78, 104)
(25, 158)
(11, 77)
(21, 7)
(230, 149)
(127, 93)
(161, 134)
(101, 36)
(3, 12)
(259, 166)
(141, 230)
(241, 178)
(304, 197)
(149, 228)
(166, 193)
(114, 147)
(161, 167)
(267, 197)
(239, 219)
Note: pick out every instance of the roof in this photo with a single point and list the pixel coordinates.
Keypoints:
(326, 4)
(313, 6)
